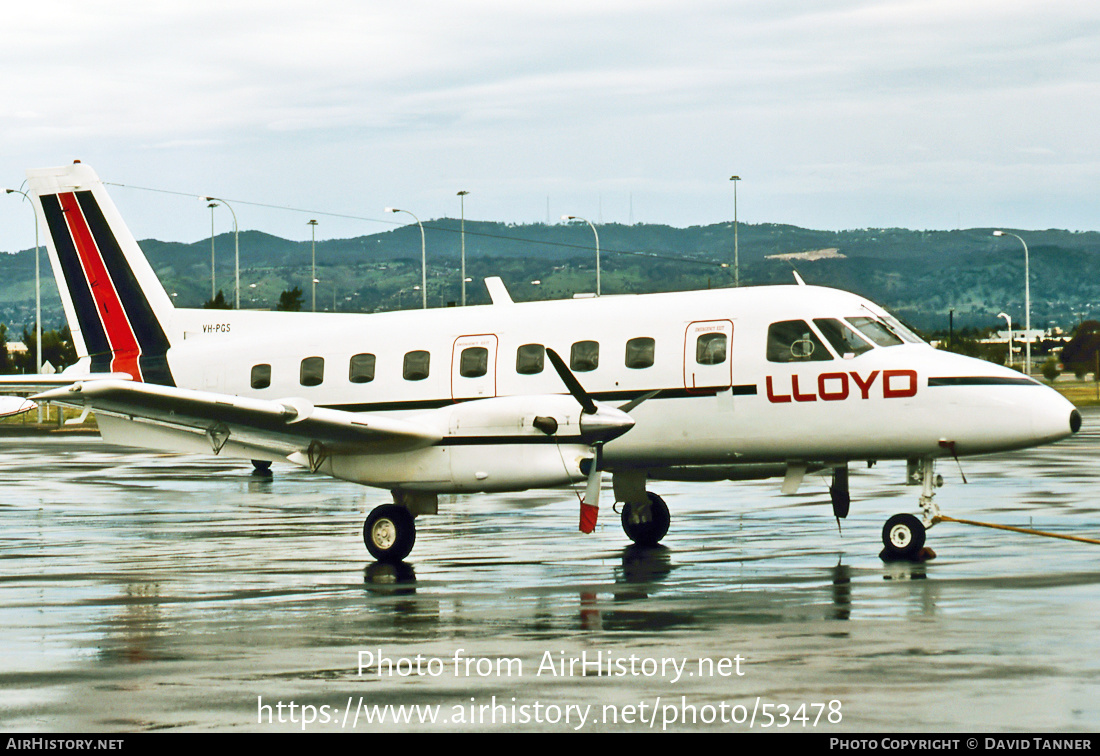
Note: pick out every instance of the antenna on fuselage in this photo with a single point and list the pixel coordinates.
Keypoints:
(498, 292)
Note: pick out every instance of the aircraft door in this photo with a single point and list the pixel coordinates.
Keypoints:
(708, 365)
(474, 367)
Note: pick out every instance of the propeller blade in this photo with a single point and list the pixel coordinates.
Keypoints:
(636, 401)
(592, 487)
(590, 504)
(571, 383)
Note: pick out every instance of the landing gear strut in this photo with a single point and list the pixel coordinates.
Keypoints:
(647, 523)
(389, 533)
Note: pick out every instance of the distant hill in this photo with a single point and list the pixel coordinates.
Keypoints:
(921, 275)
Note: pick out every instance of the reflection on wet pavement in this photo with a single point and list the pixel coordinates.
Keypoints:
(146, 591)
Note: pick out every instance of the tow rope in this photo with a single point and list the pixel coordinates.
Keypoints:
(1029, 531)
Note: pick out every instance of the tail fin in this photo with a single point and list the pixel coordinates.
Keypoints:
(117, 309)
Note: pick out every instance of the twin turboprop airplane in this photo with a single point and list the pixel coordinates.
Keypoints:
(729, 384)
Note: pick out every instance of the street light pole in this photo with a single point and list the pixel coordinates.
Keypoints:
(577, 217)
(462, 202)
(313, 261)
(736, 260)
(1027, 302)
(236, 246)
(423, 257)
(213, 284)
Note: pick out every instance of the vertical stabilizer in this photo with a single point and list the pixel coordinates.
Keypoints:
(117, 309)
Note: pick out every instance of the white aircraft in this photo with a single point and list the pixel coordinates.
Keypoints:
(729, 384)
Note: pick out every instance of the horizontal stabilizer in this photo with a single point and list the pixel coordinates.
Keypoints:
(14, 405)
(14, 384)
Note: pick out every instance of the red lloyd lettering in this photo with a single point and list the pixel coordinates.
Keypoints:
(835, 387)
(890, 389)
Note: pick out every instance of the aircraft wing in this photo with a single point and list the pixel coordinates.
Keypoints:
(129, 412)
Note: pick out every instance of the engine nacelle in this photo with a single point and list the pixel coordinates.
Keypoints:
(501, 444)
(466, 468)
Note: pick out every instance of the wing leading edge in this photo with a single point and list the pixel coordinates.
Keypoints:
(127, 410)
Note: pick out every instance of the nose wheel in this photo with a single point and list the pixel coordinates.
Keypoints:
(903, 537)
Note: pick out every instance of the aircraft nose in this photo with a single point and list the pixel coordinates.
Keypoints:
(1053, 417)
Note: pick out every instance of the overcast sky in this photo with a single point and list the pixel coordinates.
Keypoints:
(836, 113)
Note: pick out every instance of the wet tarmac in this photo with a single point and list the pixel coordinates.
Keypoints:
(141, 591)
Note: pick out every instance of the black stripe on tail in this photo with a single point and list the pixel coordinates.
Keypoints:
(154, 344)
(152, 341)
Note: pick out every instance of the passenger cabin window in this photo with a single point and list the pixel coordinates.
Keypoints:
(639, 352)
(843, 339)
(875, 331)
(361, 368)
(530, 359)
(416, 366)
(474, 362)
(710, 349)
(584, 356)
(312, 372)
(261, 376)
(795, 341)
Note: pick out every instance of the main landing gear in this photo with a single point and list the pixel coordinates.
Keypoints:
(646, 523)
(389, 533)
(903, 535)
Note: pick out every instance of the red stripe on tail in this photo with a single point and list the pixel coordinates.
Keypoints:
(120, 335)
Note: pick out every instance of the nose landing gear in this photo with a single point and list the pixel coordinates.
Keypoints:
(903, 535)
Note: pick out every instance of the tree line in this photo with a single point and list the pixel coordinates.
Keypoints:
(57, 349)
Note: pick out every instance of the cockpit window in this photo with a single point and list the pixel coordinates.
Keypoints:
(795, 341)
(842, 338)
(875, 331)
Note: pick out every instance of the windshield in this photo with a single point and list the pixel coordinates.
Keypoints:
(875, 330)
(897, 327)
(843, 339)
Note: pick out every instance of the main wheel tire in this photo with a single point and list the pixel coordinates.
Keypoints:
(903, 536)
(389, 533)
(648, 531)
